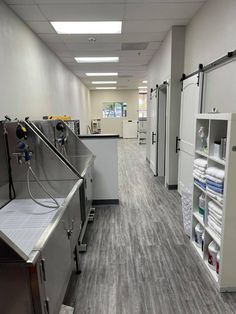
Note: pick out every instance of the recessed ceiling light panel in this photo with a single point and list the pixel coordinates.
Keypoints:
(144, 82)
(102, 74)
(104, 82)
(103, 27)
(96, 59)
(107, 87)
(142, 87)
(142, 91)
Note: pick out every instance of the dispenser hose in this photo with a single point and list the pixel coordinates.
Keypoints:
(56, 204)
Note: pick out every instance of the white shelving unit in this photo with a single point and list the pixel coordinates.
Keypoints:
(218, 126)
(142, 130)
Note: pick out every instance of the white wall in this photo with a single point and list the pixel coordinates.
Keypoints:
(210, 34)
(159, 70)
(33, 82)
(114, 125)
(168, 65)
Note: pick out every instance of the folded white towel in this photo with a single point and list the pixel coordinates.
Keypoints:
(215, 208)
(214, 179)
(214, 226)
(201, 169)
(198, 173)
(199, 178)
(216, 221)
(214, 215)
(216, 172)
(200, 162)
(214, 192)
(215, 196)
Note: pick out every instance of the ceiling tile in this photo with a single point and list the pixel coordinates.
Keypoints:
(153, 46)
(51, 38)
(123, 38)
(19, 1)
(41, 27)
(28, 12)
(151, 26)
(85, 39)
(161, 10)
(136, 53)
(94, 47)
(143, 36)
(83, 12)
(76, 1)
(165, 1)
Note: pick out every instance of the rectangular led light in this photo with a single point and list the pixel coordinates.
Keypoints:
(104, 82)
(142, 87)
(96, 59)
(144, 82)
(102, 74)
(104, 27)
(108, 87)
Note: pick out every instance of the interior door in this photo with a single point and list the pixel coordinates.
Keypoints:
(153, 132)
(161, 132)
(190, 106)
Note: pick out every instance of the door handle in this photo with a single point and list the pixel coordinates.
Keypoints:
(177, 140)
(153, 136)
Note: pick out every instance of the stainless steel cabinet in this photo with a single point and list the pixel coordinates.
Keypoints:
(57, 264)
(38, 285)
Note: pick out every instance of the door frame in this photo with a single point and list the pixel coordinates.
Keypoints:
(154, 93)
(164, 86)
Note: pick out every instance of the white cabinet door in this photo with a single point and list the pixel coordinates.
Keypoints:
(153, 132)
(190, 106)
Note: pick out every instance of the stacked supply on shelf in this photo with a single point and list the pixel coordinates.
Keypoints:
(215, 218)
(215, 183)
(199, 172)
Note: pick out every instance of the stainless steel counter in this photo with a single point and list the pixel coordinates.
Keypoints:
(22, 223)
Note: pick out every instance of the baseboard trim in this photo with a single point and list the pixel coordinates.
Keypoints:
(172, 186)
(106, 202)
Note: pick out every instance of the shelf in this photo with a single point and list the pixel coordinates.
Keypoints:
(218, 160)
(199, 152)
(211, 271)
(201, 189)
(213, 235)
(199, 218)
(214, 200)
(198, 249)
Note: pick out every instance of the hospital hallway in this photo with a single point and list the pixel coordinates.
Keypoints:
(139, 261)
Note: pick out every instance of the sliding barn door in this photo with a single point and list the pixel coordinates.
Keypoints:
(190, 106)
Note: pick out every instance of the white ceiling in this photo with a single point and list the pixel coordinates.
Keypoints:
(143, 21)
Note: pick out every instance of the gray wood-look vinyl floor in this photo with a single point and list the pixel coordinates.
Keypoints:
(139, 261)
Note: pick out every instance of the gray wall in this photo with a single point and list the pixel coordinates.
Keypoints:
(33, 82)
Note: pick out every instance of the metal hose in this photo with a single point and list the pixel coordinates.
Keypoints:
(56, 204)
